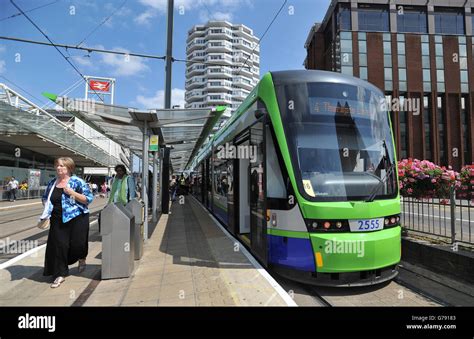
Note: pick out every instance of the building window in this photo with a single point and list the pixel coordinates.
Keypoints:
(387, 57)
(441, 132)
(403, 130)
(449, 20)
(373, 18)
(463, 64)
(363, 73)
(465, 129)
(412, 19)
(439, 63)
(427, 125)
(402, 72)
(343, 17)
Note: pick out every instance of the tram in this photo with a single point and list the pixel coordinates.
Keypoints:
(304, 175)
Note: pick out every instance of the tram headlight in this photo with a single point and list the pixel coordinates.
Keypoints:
(338, 224)
(392, 220)
(314, 224)
(327, 224)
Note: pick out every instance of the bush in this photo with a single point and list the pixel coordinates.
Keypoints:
(466, 183)
(422, 179)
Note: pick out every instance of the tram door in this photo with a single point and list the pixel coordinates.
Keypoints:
(257, 194)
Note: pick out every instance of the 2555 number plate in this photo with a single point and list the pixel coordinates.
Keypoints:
(366, 225)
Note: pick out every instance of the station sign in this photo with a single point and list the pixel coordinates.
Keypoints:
(99, 86)
(153, 143)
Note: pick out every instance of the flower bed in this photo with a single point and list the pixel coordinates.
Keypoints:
(466, 186)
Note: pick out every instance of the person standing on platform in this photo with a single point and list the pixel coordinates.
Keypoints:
(66, 201)
(12, 186)
(123, 186)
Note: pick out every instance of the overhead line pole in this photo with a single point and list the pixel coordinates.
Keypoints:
(166, 153)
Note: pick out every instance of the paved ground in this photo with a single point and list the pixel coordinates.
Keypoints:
(188, 261)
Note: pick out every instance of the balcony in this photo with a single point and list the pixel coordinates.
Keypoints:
(219, 99)
(220, 59)
(222, 72)
(195, 44)
(195, 70)
(219, 33)
(218, 46)
(243, 83)
(193, 96)
(219, 85)
(194, 33)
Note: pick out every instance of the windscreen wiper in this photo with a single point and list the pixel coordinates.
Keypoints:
(380, 184)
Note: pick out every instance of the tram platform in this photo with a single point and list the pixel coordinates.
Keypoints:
(188, 260)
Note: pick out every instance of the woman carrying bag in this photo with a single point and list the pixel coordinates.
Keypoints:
(66, 199)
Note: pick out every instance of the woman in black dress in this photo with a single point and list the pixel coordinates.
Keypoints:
(69, 220)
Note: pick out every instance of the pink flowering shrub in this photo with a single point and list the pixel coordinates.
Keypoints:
(466, 186)
(422, 179)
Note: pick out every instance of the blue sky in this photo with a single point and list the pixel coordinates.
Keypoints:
(140, 27)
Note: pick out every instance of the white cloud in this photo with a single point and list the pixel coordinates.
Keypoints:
(83, 61)
(205, 16)
(159, 7)
(124, 65)
(158, 100)
(2, 66)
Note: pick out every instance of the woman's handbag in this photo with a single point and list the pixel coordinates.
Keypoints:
(43, 224)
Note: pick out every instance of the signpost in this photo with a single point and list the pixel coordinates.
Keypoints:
(154, 143)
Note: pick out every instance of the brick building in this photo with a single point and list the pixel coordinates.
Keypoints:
(418, 51)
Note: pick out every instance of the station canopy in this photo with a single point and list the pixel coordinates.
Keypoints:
(182, 130)
(26, 125)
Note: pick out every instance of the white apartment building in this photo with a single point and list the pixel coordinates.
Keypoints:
(223, 65)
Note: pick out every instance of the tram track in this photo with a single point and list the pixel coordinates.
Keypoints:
(93, 212)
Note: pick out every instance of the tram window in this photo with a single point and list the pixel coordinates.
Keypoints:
(275, 183)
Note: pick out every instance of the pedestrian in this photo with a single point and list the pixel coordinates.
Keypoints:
(12, 186)
(123, 186)
(173, 188)
(66, 201)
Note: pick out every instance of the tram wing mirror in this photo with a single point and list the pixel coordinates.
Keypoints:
(260, 112)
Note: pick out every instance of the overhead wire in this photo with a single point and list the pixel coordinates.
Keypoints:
(103, 22)
(30, 10)
(263, 36)
(46, 36)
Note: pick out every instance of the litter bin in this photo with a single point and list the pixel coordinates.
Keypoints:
(117, 224)
(138, 210)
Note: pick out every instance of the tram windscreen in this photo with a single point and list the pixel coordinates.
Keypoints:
(340, 141)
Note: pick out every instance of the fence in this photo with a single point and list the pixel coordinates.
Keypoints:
(451, 220)
(22, 194)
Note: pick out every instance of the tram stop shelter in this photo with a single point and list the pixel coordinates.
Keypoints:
(180, 134)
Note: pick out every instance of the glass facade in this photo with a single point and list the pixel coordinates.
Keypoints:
(427, 126)
(441, 115)
(402, 71)
(373, 18)
(449, 20)
(343, 17)
(463, 64)
(412, 19)
(403, 130)
(439, 64)
(465, 128)
(345, 59)
(425, 62)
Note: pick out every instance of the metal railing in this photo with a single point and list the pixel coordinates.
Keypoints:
(445, 218)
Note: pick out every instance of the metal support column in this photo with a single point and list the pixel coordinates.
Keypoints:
(145, 177)
(169, 53)
(154, 190)
(165, 177)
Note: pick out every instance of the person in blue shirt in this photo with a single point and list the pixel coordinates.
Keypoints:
(66, 201)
